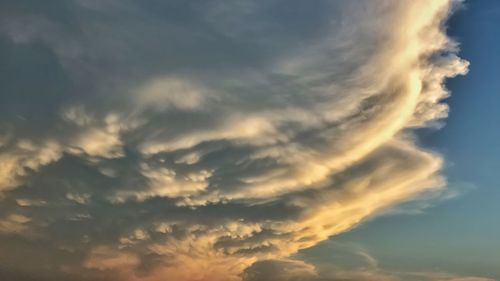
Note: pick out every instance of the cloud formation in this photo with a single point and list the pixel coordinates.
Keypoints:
(293, 270)
(194, 140)
(344, 262)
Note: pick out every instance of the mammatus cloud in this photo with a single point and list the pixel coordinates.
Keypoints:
(196, 140)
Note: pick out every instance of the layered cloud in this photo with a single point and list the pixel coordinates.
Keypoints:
(188, 140)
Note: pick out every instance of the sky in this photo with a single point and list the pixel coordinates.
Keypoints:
(279, 140)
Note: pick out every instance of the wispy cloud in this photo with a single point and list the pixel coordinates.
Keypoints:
(344, 262)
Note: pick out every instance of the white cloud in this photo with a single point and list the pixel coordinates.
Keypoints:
(23, 157)
(79, 198)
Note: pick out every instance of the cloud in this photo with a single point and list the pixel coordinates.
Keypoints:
(23, 156)
(14, 223)
(207, 140)
(103, 258)
(162, 94)
(280, 270)
(164, 182)
(344, 262)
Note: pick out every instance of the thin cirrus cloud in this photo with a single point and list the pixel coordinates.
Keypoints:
(189, 140)
(294, 270)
